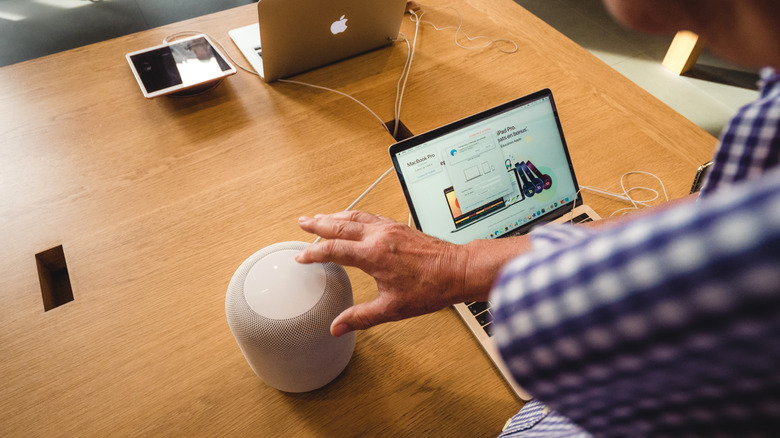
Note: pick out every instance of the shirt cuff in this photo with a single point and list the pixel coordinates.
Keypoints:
(538, 421)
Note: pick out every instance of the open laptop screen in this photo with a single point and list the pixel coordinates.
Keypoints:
(489, 174)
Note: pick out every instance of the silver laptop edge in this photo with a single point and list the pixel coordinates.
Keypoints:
(301, 35)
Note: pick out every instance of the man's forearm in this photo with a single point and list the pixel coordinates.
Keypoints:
(485, 258)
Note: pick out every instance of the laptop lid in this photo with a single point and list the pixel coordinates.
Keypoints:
(300, 35)
(497, 172)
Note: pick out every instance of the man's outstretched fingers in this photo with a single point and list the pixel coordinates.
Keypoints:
(342, 252)
(355, 216)
(329, 227)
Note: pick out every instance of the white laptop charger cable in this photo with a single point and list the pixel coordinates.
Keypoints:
(363, 195)
(399, 89)
(626, 194)
(459, 29)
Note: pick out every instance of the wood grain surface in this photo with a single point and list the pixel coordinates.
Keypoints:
(157, 202)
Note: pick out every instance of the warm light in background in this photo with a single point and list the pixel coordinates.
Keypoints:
(64, 4)
(23, 11)
(8, 16)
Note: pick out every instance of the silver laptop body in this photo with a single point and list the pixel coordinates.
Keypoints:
(301, 35)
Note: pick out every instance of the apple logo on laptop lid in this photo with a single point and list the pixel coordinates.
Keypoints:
(339, 26)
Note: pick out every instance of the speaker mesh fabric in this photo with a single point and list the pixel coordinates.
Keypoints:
(285, 349)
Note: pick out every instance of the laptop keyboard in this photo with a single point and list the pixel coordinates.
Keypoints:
(581, 219)
(481, 309)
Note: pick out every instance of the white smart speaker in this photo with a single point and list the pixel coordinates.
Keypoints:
(280, 313)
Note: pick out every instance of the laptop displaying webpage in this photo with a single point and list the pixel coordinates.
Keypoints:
(491, 177)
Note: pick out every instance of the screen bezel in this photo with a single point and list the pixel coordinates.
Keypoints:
(436, 133)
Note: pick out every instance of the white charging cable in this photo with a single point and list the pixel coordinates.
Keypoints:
(338, 92)
(626, 194)
(458, 31)
(363, 195)
(399, 89)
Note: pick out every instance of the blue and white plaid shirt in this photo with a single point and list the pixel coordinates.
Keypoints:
(667, 325)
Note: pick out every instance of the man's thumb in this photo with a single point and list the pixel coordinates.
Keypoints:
(357, 317)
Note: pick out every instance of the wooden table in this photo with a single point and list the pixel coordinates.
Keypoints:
(157, 202)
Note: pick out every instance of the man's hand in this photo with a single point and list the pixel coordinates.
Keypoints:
(415, 273)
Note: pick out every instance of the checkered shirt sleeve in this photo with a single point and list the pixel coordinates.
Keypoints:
(750, 143)
(551, 236)
(668, 325)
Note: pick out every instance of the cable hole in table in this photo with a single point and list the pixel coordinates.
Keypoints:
(403, 132)
(54, 279)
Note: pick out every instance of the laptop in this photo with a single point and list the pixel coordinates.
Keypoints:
(491, 175)
(301, 35)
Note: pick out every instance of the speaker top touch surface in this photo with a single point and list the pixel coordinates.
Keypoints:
(278, 287)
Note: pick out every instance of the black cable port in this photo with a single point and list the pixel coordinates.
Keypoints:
(54, 278)
(403, 132)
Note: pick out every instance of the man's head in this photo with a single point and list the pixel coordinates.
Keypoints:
(745, 31)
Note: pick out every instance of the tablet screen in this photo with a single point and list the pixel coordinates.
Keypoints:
(178, 65)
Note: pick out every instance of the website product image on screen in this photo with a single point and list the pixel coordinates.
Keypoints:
(488, 174)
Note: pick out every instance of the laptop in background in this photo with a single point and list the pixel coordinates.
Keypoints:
(301, 35)
(491, 175)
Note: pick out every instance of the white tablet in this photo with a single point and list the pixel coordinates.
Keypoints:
(179, 65)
